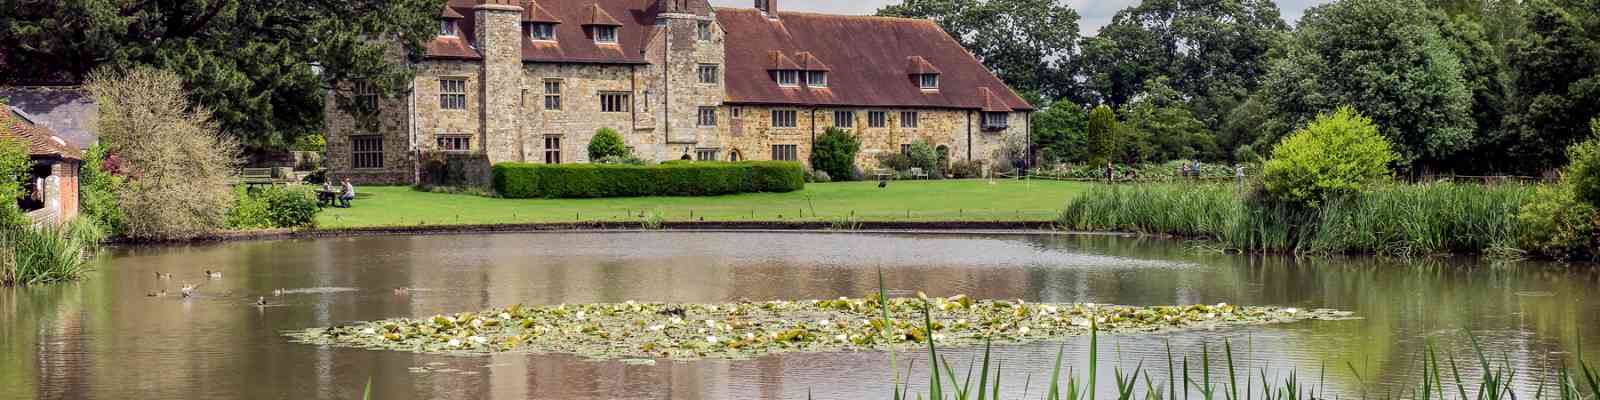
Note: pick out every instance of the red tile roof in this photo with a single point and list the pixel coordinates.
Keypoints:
(41, 141)
(920, 66)
(869, 60)
(573, 42)
(777, 61)
(598, 16)
(810, 62)
(532, 12)
(449, 13)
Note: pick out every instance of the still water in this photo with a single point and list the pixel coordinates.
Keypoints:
(105, 338)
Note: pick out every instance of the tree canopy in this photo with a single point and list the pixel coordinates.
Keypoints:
(262, 66)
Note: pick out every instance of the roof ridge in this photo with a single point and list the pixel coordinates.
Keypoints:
(822, 14)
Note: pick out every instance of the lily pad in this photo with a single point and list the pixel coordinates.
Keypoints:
(748, 329)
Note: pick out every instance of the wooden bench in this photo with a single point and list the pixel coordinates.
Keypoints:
(883, 174)
(262, 176)
(918, 173)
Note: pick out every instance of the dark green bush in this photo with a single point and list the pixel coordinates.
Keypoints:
(835, 153)
(894, 161)
(273, 207)
(607, 143)
(1584, 170)
(514, 180)
(924, 156)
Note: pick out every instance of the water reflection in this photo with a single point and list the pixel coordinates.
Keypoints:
(105, 338)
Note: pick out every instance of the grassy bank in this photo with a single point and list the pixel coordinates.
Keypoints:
(42, 255)
(945, 200)
(1392, 220)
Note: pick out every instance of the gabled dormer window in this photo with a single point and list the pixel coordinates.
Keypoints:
(447, 27)
(605, 34)
(788, 78)
(817, 79)
(928, 81)
(542, 31)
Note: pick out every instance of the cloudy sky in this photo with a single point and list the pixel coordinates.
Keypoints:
(1095, 13)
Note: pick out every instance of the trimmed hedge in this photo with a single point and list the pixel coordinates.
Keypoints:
(707, 178)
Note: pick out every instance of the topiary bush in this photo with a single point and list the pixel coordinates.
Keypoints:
(516, 180)
(1335, 154)
(1102, 135)
(607, 143)
(835, 153)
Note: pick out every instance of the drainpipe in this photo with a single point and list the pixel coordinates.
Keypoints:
(969, 135)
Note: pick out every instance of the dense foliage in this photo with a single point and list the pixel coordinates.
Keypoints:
(924, 156)
(1584, 170)
(261, 68)
(1337, 154)
(1102, 135)
(97, 190)
(47, 253)
(607, 144)
(273, 207)
(514, 180)
(1162, 128)
(177, 161)
(1059, 132)
(14, 167)
(835, 154)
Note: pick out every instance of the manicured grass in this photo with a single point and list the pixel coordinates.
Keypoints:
(948, 200)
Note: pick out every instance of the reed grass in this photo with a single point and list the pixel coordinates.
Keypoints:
(1401, 220)
(47, 254)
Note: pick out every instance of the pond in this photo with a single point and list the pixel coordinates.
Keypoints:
(107, 338)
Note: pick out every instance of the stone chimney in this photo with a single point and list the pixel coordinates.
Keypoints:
(498, 29)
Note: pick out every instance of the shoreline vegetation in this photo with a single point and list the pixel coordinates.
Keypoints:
(1395, 220)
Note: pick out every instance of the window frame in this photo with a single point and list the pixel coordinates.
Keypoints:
(793, 75)
(447, 27)
(736, 112)
(703, 31)
(785, 152)
(606, 34)
(552, 99)
(365, 97)
(811, 80)
(925, 80)
(552, 155)
(877, 119)
(700, 154)
(849, 119)
(1004, 120)
(366, 152)
(535, 28)
(623, 102)
(793, 120)
(709, 74)
(706, 117)
(449, 99)
(448, 142)
(910, 119)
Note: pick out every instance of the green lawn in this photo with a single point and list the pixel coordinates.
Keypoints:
(903, 200)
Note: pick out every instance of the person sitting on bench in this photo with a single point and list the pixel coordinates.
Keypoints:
(347, 193)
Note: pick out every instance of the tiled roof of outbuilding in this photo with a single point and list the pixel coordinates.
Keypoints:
(41, 141)
(868, 57)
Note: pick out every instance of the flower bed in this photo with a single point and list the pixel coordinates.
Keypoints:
(743, 330)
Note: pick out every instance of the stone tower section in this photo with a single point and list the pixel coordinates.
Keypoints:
(498, 30)
(688, 67)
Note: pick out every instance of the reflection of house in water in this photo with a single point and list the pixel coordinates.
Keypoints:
(52, 187)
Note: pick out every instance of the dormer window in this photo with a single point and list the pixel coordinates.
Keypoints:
(605, 34)
(542, 31)
(788, 78)
(928, 81)
(447, 27)
(817, 79)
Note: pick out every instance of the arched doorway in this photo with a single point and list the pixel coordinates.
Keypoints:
(734, 156)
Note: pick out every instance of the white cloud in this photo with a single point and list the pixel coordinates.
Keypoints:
(1095, 13)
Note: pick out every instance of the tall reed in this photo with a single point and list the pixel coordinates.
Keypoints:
(1391, 220)
(46, 254)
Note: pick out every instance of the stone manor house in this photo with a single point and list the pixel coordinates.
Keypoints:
(532, 80)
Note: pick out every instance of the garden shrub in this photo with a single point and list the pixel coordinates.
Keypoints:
(97, 190)
(273, 207)
(1336, 154)
(607, 143)
(894, 161)
(835, 153)
(820, 176)
(924, 156)
(1584, 170)
(516, 180)
(14, 166)
(1556, 224)
(1102, 135)
(966, 169)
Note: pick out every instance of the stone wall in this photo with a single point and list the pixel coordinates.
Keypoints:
(391, 122)
(579, 117)
(675, 60)
(499, 40)
(752, 134)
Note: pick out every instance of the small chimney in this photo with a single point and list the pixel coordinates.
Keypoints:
(768, 7)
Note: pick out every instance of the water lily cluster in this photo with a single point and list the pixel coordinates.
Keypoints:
(748, 329)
